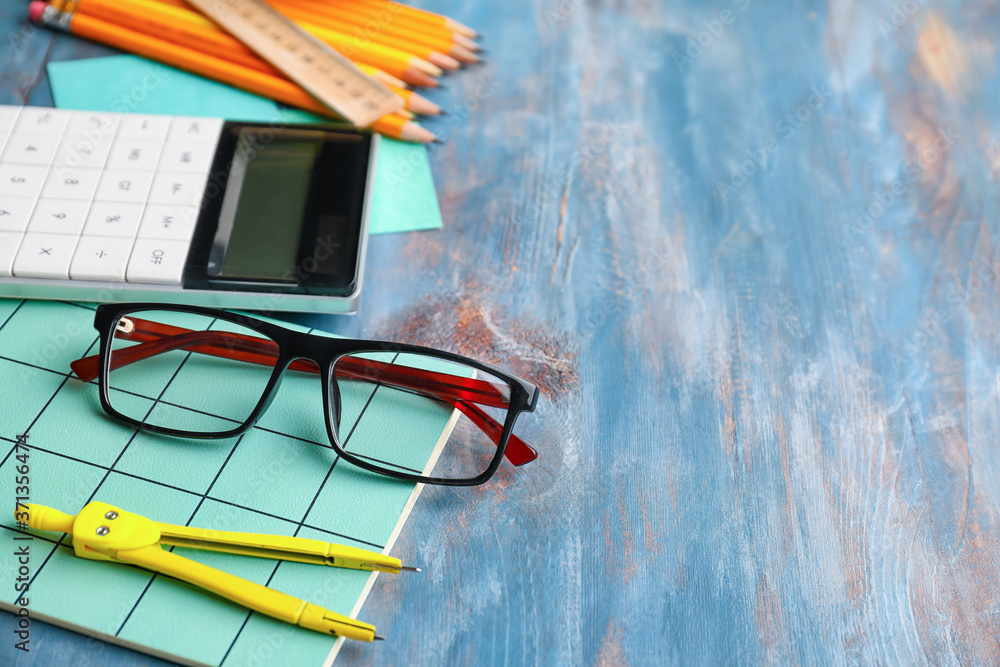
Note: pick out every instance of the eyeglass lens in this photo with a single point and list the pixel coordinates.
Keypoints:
(408, 393)
(188, 371)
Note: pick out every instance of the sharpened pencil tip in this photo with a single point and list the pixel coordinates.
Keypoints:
(437, 141)
(379, 638)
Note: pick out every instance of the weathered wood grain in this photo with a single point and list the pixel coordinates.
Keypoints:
(757, 281)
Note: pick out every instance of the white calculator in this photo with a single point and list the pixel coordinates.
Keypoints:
(132, 207)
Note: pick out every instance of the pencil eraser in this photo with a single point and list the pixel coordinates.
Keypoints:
(35, 10)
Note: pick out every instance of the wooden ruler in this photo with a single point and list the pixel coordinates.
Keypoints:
(328, 76)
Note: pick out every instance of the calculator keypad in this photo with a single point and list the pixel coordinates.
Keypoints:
(157, 261)
(15, 212)
(43, 120)
(83, 150)
(31, 148)
(59, 216)
(9, 242)
(100, 258)
(22, 180)
(44, 255)
(100, 196)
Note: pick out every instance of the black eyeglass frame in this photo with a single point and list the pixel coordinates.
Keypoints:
(322, 350)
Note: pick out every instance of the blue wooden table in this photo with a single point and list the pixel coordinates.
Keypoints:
(750, 251)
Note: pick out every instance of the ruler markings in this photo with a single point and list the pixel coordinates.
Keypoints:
(327, 75)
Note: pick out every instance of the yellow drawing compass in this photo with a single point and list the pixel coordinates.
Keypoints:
(104, 532)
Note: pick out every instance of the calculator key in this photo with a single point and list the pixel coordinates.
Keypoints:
(59, 216)
(163, 221)
(188, 128)
(78, 150)
(100, 258)
(8, 116)
(93, 123)
(30, 148)
(193, 158)
(144, 126)
(134, 154)
(42, 120)
(111, 218)
(21, 180)
(64, 183)
(15, 212)
(123, 185)
(175, 188)
(9, 243)
(156, 261)
(44, 256)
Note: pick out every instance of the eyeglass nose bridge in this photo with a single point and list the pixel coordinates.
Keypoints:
(315, 347)
(319, 353)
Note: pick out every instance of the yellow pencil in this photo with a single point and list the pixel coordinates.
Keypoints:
(385, 30)
(191, 31)
(413, 13)
(301, 15)
(405, 66)
(211, 67)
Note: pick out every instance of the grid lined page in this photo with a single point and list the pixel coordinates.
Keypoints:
(281, 477)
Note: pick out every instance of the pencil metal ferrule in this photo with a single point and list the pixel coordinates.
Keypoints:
(54, 17)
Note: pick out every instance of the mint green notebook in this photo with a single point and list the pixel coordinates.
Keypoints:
(279, 478)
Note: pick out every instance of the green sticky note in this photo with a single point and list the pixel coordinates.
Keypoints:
(403, 198)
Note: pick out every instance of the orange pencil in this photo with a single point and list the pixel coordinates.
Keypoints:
(251, 80)
(410, 70)
(398, 63)
(177, 19)
(417, 22)
(416, 102)
(170, 23)
(175, 25)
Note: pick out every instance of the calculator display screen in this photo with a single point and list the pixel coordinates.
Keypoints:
(273, 193)
(283, 210)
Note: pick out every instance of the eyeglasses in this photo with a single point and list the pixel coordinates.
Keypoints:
(203, 373)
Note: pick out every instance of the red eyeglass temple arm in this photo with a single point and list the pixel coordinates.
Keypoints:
(461, 393)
